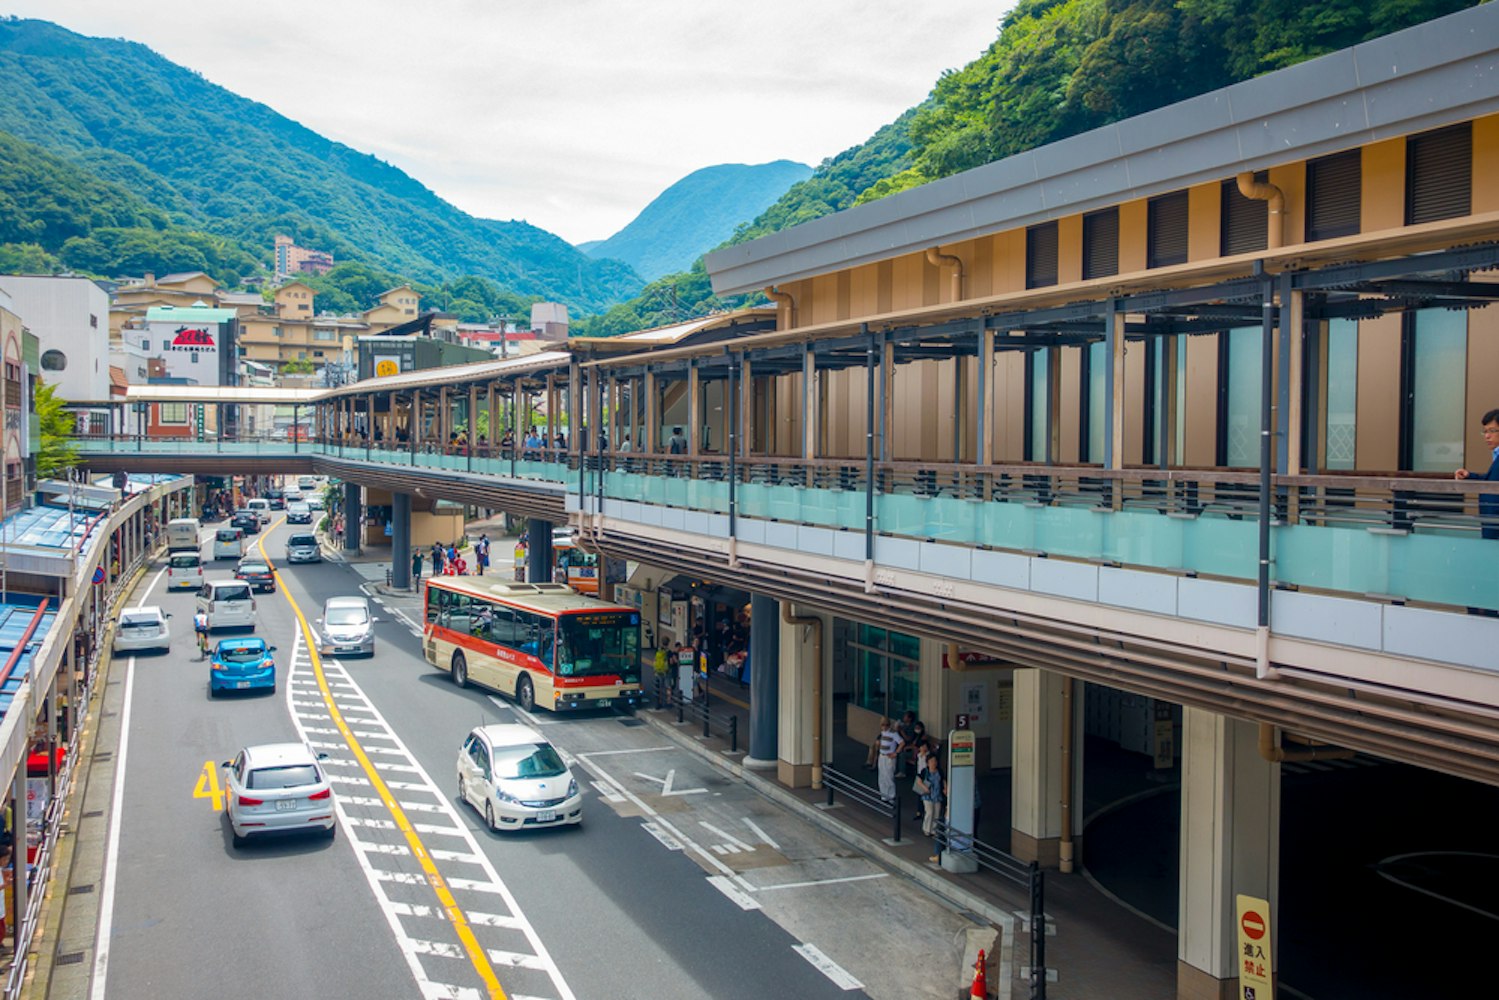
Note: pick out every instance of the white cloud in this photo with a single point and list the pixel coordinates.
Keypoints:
(571, 114)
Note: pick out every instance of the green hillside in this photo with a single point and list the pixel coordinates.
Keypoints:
(212, 161)
(1057, 68)
(699, 211)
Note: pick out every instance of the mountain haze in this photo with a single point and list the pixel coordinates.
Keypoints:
(211, 160)
(695, 214)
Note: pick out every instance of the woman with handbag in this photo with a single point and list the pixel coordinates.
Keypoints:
(935, 795)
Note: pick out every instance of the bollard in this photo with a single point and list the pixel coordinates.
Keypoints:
(707, 716)
(733, 734)
(895, 837)
(387, 575)
(829, 785)
(680, 718)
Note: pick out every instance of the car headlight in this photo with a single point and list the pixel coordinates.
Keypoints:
(504, 796)
(572, 788)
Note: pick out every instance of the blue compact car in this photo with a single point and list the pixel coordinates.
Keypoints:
(242, 665)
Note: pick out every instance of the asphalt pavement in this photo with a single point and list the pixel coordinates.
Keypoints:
(681, 882)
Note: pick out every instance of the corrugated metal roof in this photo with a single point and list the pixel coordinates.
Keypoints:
(668, 336)
(220, 394)
(449, 374)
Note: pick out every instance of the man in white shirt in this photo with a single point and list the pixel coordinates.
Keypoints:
(890, 745)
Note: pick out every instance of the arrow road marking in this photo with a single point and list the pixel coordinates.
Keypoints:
(666, 788)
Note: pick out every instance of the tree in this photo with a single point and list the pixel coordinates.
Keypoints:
(58, 451)
(298, 366)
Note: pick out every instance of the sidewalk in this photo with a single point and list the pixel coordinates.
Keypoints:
(1098, 949)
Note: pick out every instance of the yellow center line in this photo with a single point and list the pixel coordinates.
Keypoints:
(438, 884)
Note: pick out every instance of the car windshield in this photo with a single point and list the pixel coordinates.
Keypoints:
(232, 594)
(290, 776)
(533, 760)
(346, 616)
(307, 540)
(599, 642)
(183, 562)
(139, 621)
(242, 653)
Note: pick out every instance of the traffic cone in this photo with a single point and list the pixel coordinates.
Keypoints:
(980, 988)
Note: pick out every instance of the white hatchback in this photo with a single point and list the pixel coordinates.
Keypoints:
(227, 603)
(278, 788)
(517, 780)
(142, 628)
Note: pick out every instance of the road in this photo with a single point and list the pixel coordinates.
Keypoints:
(680, 883)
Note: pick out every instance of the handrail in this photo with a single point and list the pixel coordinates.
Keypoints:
(23, 642)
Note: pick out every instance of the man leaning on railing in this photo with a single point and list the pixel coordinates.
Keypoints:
(1488, 503)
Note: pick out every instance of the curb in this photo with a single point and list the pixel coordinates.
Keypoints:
(867, 845)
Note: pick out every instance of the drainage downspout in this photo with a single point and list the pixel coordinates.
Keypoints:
(1271, 750)
(1260, 191)
(785, 308)
(937, 259)
(816, 625)
(1065, 849)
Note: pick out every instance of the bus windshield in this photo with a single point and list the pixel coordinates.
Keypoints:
(599, 642)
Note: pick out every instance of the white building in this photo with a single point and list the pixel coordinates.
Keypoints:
(70, 318)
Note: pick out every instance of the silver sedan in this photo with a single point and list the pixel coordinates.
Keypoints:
(278, 788)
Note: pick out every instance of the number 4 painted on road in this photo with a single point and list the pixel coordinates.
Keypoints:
(208, 786)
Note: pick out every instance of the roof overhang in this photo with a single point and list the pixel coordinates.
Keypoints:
(1433, 74)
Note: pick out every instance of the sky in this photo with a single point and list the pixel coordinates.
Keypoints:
(569, 114)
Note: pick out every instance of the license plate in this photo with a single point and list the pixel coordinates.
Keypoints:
(604, 702)
(285, 805)
(546, 816)
(241, 684)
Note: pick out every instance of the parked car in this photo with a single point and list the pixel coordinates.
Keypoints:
(257, 573)
(517, 780)
(347, 626)
(303, 547)
(297, 512)
(242, 664)
(228, 604)
(142, 628)
(278, 788)
(247, 521)
(184, 570)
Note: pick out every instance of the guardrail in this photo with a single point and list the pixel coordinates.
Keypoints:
(700, 709)
(851, 788)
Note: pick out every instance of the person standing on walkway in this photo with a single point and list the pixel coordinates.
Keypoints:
(416, 568)
(890, 747)
(437, 559)
(935, 796)
(1488, 503)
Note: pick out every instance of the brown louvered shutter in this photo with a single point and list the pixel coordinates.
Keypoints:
(1167, 224)
(1439, 174)
(1041, 255)
(1246, 221)
(1333, 195)
(1101, 243)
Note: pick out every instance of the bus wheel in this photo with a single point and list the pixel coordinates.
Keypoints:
(460, 670)
(525, 694)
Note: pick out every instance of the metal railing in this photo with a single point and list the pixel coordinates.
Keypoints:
(854, 790)
(700, 710)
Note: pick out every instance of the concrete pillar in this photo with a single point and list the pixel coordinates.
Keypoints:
(353, 517)
(400, 540)
(1036, 783)
(798, 671)
(538, 551)
(765, 680)
(1230, 844)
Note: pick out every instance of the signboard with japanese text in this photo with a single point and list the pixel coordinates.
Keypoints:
(188, 350)
(960, 748)
(1256, 969)
(1165, 734)
(387, 365)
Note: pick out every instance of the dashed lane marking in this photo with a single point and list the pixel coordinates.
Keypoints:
(828, 967)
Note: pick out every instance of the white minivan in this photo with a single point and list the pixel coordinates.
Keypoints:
(182, 533)
(184, 570)
(229, 543)
(227, 603)
(260, 507)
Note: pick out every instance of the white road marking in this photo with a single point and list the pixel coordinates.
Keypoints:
(1428, 892)
(729, 889)
(666, 784)
(828, 967)
(477, 885)
(515, 960)
(667, 840)
(491, 920)
(442, 948)
(611, 753)
(607, 792)
(735, 841)
(112, 850)
(761, 834)
(820, 881)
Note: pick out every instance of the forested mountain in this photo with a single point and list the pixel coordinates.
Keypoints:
(697, 212)
(1057, 68)
(211, 161)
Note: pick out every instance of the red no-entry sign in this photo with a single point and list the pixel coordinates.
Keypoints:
(1254, 925)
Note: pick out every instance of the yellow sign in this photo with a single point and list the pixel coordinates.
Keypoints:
(387, 366)
(960, 744)
(1255, 966)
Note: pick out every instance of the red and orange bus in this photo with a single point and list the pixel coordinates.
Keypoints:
(542, 643)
